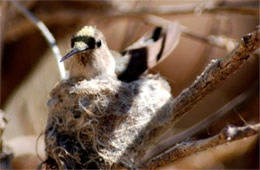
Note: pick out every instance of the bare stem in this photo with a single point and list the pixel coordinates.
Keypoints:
(3, 18)
(47, 35)
(206, 122)
(214, 74)
(218, 41)
(70, 15)
(247, 8)
(228, 134)
(210, 79)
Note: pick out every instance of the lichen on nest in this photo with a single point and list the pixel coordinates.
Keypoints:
(101, 122)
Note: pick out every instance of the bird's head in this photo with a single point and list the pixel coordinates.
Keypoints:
(85, 41)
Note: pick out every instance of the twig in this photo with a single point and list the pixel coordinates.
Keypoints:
(248, 8)
(3, 15)
(206, 122)
(70, 15)
(47, 35)
(218, 41)
(210, 79)
(184, 149)
(215, 73)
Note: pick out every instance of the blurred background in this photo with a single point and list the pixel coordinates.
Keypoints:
(29, 70)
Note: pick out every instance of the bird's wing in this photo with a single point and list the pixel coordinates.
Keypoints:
(147, 52)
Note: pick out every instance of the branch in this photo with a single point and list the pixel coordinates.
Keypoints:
(188, 133)
(47, 35)
(70, 15)
(218, 41)
(247, 8)
(210, 79)
(215, 73)
(228, 134)
(3, 10)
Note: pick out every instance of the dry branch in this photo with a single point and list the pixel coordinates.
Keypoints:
(59, 16)
(47, 35)
(218, 41)
(184, 149)
(247, 8)
(215, 73)
(188, 133)
(210, 79)
(3, 18)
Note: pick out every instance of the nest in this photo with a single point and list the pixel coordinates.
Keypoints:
(103, 122)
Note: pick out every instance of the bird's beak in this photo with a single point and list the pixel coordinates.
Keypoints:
(72, 52)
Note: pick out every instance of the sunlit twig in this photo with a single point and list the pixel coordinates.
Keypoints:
(184, 149)
(47, 35)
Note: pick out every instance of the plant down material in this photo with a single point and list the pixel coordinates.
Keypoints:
(103, 122)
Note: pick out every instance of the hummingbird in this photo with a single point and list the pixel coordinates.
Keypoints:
(90, 56)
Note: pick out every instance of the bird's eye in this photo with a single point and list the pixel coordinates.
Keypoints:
(99, 43)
